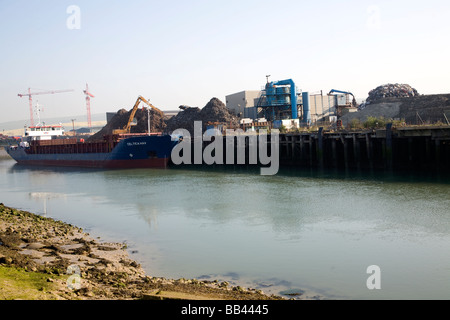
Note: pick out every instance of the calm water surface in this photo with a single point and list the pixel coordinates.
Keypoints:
(312, 232)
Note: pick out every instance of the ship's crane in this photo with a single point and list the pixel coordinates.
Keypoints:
(30, 99)
(126, 129)
(88, 104)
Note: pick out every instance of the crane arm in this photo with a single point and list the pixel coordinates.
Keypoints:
(151, 106)
(339, 91)
(89, 94)
(126, 128)
(46, 92)
(354, 103)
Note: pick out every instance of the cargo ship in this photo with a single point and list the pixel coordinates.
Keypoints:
(48, 146)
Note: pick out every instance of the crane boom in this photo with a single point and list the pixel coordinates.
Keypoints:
(44, 92)
(127, 127)
(339, 91)
(88, 104)
(30, 99)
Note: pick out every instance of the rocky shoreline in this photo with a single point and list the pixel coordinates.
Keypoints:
(77, 266)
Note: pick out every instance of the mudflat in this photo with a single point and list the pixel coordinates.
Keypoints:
(45, 259)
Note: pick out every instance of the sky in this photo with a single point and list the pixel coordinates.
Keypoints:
(183, 52)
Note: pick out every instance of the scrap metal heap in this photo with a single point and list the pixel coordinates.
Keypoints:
(215, 112)
(390, 91)
(122, 122)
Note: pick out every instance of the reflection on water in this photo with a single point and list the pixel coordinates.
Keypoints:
(301, 230)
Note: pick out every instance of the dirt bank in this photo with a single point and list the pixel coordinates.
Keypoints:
(77, 266)
(417, 110)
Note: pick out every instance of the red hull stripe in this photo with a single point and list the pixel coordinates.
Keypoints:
(109, 164)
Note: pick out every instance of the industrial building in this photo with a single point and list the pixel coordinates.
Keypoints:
(282, 102)
(331, 106)
(243, 104)
(279, 100)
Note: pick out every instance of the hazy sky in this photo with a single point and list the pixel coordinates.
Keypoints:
(187, 52)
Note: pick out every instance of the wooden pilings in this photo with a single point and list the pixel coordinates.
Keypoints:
(389, 148)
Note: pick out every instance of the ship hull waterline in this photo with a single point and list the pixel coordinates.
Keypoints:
(109, 164)
(137, 152)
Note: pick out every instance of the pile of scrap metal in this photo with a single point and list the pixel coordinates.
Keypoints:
(215, 112)
(135, 120)
(389, 91)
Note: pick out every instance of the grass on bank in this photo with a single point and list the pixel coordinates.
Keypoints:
(17, 283)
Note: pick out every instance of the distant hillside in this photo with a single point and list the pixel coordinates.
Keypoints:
(80, 122)
(96, 126)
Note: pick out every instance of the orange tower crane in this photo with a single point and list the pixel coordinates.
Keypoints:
(30, 94)
(88, 104)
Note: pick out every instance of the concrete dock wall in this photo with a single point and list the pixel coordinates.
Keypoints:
(416, 148)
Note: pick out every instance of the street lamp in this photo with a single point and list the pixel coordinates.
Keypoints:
(148, 117)
(73, 126)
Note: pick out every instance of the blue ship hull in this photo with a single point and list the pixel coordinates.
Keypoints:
(134, 152)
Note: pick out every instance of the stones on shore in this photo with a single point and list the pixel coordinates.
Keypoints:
(292, 292)
(5, 260)
(35, 246)
(105, 270)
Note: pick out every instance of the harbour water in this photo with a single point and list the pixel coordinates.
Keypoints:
(302, 231)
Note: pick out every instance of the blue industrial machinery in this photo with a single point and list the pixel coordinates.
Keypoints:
(353, 103)
(306, 109)
(283, 94)
(280, 100)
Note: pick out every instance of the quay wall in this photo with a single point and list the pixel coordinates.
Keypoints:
(421, 148)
